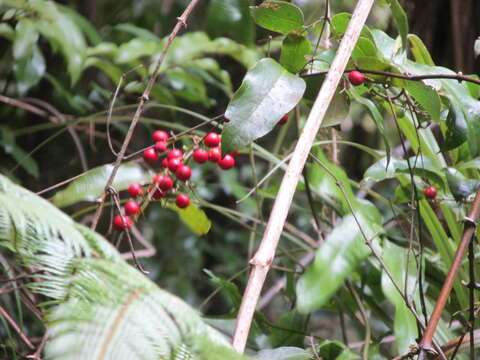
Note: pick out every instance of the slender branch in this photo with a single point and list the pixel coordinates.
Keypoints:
(426, 342)
(459, 77)
(181, 23)
(17, 329)
(263, 258)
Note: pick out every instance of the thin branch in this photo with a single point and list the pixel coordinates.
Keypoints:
(459, 77)
(263, 258)
(181, 23)
(17, 329)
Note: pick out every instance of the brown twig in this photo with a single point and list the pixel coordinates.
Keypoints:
(426, 342)
(17, 329)
(262, 260)
(459, 77)
(181, 23)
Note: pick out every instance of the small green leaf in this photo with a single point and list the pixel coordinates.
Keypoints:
(335, 350)
(457, 129)
(268, 92)
(419, 50)
(230, 288)
(291, 321)
(283, 353)
(26, 36)
(344, 248)
(91, 185)
(294, 53)
(194, 218)
(340, 23)
(426, 96)
(135, 49)
(400, 19)
(7, 32)
(278, 16)
(112, 71)
(29, 70)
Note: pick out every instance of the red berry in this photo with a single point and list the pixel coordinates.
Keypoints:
(200, 156)
(182, 201)
(165, 163)
(174, 154)
(157, 178)
(160, 146)
(160, 135)
(122, 222)
(166, 183)
(215, 154)
(356, 77)
(174, 163)
(157, 193)
(134, 190)
(430, 192)
(150, 155)
(227, 162)
(212, 140)
(283, 120)
(183, 172)
(132, 208)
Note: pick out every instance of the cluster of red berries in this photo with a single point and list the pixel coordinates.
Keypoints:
(174, 163)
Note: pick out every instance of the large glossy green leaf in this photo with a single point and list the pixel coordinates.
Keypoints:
(268, 91)
(400, 19)
(295, 50)
(283, 353)
(91, 185)
(194, 218)
(403, 269)
(426, 96)
(337, 258)
(338, 110)
(230, 18)
(278, 16)
(459, 185)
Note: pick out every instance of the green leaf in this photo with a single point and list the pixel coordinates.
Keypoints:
(375, 113)
(135, 49)
(194, 218)
(7, 141)
(26, 36)
(400, 19)
(294, 53)
(230, 18)
(419, 50)
(91, 185)
(461, 187)
(402, 267)
(426, 96)
(230, 288)
(29, 70)
(365, 48)
(112, 71)
(421, 166)
(340, 23)
(137, 31)
(268, 92)
(283, 353)
(337, 258)
(457, 129)
(335, 350)
(476, 47)
(278, 16)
